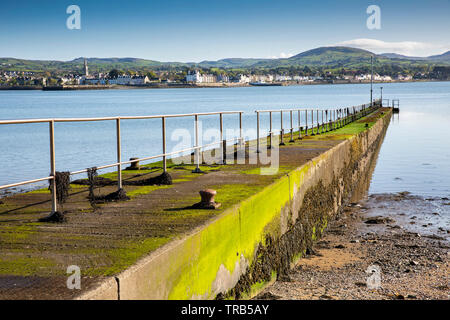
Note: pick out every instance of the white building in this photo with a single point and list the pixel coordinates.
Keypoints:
(223, 78)
(139, 80)
(197, 77)
(261, 78)
(242, 78)
(280, 77)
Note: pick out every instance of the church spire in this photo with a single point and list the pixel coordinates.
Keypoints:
(86, 70)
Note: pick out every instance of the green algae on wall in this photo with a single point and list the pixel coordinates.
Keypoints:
(233, 238)
(215, 257)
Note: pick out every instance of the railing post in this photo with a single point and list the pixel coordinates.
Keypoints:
(270, 133)
(299, 125)
(164, 143)
(312, 123)
(323, 124)
(53, 165)
(257, 132)
(222, 141)
(340, 118)
(119, 155)
(292, 128)
(306, 122)
(317, 119)
(197, 150)
(282, 130)
(241, 133)
(334, 119)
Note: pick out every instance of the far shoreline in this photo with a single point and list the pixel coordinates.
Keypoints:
(193, 86)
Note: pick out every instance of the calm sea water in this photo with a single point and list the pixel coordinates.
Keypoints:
(415, 155)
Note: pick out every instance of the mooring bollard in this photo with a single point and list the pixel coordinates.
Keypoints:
(207, 200)
(134, 165)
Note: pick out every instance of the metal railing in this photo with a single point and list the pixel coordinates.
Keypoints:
(196, 148)
(326, 120)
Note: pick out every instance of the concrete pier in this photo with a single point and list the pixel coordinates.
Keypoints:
(156, 247)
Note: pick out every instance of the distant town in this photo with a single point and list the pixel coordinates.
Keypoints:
(317, 66)
(188, 77)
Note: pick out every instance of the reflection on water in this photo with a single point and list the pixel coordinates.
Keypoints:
(415, 155)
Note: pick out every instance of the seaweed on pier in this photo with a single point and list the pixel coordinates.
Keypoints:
(92, 179)
(62, 182)
(162, 179)
(119, 195)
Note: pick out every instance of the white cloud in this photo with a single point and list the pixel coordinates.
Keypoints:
(282, 55)
(409, 48)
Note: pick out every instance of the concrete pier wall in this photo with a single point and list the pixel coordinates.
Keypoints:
(247, 246)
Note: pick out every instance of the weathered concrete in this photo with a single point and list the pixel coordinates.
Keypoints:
(239, 251)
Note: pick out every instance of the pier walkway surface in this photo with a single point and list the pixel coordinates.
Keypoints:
(34, 256)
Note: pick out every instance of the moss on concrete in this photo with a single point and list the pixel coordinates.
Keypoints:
(249, 213)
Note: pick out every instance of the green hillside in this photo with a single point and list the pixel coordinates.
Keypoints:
(324, 57)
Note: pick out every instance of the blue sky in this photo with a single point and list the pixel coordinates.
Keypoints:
(197, 30)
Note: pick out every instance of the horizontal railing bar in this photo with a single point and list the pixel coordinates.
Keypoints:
(23, 121)
(304, 109)
(152, 157)
(24, 182)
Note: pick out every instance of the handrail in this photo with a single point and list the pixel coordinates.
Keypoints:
(22, 121)
(330, 119)
(120, 163)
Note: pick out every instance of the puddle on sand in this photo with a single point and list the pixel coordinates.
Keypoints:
(428, 216)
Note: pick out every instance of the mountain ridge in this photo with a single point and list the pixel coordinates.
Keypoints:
(330, 56)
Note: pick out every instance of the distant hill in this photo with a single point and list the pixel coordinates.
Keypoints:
(400, 56)
(324, 56)
(445, 57)
(76, 65)
(231, 63)
(333, 57)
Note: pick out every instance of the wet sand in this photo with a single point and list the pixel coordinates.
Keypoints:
(405, 236)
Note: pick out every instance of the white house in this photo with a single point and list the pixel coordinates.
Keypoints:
(139, 80)
(223, 78)
(197, 77)
(280, 77)
(242, 78)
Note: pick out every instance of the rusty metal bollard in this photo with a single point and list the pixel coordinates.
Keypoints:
(207, 200)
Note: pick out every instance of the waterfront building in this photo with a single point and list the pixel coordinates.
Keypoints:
(197, 77)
